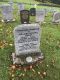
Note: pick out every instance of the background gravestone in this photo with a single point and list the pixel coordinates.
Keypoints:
(33, 11)
(11, 5)
(46, 11)
(56, 17)
(7, 13)
(24, 16)
(20, 7)
(27, 43)
(53, 10)
(40, 15)
(11, 2)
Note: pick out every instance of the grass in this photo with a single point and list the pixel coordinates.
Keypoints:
(49, 68)
(22, 1)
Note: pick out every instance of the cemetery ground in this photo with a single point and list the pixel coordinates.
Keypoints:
(47, 69)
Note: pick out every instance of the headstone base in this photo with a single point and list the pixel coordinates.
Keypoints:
(23, 59)
(7, 20)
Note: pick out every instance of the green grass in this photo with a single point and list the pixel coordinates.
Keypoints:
(22, 1)
(50, 46)
(27, 1)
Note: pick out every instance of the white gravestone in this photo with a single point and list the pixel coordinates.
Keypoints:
(46, 11)
(40, 15)
(20, 7)
(27, 44)
(7, 13)
(56, 17)
(27, 38)
(11, 4)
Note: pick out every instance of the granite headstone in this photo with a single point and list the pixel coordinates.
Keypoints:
(27, 44)
(33, 11)
(24, 16)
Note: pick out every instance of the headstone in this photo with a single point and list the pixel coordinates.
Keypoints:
(20, 7)
(46, 11)
(56, 17)
(52, 10)
(40, 15)
(11, 4)
(24, 16)
(27, 44)
(33, 11)
(7, 13)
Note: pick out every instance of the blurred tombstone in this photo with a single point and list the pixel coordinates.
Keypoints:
(46, 11)
(20, 7)
(27, 44)
(52, 10)
(33, 11)
(56, 17)
(24, 16)
(40, 15)
(7, 13)
(11, 4)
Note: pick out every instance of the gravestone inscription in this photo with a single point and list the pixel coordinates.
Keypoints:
(24, 16)
(27, 43)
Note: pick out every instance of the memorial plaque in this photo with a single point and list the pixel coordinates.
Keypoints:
(7, 12)
(56, 17)
(33, 11)
(40, 15)
(24, 16)
(27, 39)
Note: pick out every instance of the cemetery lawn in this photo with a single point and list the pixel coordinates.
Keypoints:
(48, 69)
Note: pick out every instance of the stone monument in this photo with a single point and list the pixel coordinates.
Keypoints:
(7, 13)
(27, 44)
(20, 7)
(40, 15)
(32, 11)
(24, 16)
(56, 17)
